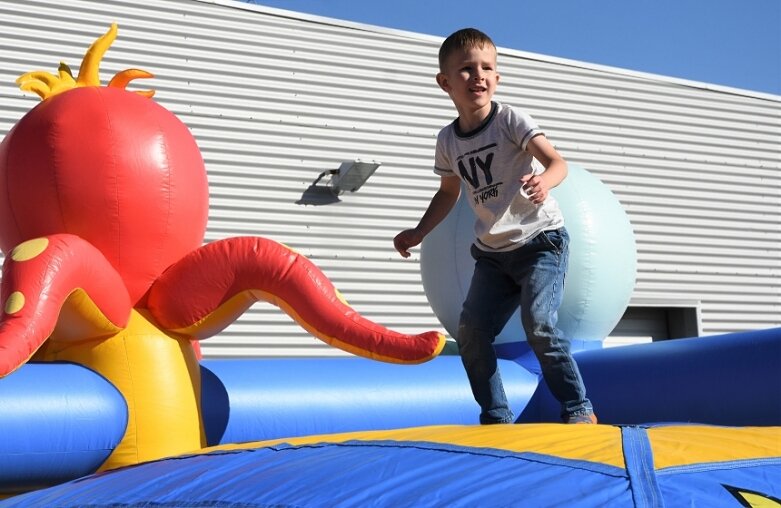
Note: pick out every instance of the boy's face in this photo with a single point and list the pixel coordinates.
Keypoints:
(470, 78)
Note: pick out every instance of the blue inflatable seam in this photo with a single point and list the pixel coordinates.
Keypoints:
(639, 460)
(721, 465)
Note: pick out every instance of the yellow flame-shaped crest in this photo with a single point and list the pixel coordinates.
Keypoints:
(46, 85)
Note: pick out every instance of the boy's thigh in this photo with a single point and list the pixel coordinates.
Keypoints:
(493, 296)
(542, 274)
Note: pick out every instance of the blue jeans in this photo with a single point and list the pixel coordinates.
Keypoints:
(531, 276)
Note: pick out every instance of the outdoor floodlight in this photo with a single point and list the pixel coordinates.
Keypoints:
(351, 175)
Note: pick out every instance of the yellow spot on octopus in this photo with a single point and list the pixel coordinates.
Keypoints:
(29, 249)
(14, 303)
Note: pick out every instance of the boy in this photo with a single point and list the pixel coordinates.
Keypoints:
(521, 245)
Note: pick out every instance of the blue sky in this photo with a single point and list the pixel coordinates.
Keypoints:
(734, 43)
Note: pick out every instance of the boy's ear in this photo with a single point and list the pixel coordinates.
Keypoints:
(442, 82)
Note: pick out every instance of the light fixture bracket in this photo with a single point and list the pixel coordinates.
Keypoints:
(351, 175)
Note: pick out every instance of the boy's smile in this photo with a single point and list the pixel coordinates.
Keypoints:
(470, 78)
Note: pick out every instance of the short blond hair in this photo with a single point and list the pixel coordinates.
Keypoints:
(464, 39)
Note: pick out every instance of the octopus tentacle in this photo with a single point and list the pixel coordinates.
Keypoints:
(57, 286)
(207, 289)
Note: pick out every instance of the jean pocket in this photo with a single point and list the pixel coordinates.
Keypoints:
(556, 239)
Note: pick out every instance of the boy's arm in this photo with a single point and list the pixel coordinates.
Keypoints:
(538, 186)
(441, 204)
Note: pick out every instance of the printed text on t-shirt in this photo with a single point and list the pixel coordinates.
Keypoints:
(482, 195)
(476, 161)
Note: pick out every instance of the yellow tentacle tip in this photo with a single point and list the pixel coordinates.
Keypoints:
(441, 342)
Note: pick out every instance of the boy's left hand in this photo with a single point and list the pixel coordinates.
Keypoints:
(535, 188)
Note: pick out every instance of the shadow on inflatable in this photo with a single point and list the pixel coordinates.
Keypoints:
(104, 400)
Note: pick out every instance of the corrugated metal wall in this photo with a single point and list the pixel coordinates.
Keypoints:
(275, 98)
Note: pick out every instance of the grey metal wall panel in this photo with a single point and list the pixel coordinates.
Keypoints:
(274, 98)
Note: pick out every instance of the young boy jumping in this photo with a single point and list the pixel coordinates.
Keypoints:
(521, 245)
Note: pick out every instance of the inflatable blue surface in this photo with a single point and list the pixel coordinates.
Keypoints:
(57, 422)
(60, 421)
(544, 465)
(732, 379)
(250, 400)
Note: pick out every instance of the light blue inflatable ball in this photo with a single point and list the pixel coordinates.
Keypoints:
(602, 263)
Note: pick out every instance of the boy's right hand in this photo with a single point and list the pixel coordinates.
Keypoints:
(406, 240)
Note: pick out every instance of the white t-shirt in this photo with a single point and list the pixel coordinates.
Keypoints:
(490, 162)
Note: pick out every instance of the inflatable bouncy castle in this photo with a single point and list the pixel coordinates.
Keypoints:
(105, 401)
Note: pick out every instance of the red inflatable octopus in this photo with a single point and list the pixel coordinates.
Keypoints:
(103, 209)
